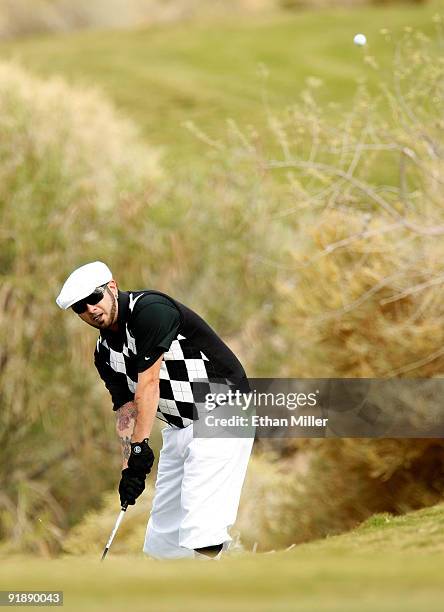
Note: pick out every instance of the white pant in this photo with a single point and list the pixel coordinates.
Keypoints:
(198, 487)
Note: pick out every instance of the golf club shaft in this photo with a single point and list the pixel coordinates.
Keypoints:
(114, 531)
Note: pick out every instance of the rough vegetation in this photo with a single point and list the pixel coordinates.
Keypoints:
(71, 169)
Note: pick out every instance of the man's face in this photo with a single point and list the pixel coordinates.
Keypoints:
(103, 315)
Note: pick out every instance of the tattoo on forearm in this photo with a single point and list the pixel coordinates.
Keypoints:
(126, 419)
(126, 447)
(126, 416)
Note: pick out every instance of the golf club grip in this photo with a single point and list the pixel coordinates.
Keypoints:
(124, 506)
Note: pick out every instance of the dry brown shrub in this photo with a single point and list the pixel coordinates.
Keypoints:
(358, 279)
(91, 534)
(69, 167)
(372, 307)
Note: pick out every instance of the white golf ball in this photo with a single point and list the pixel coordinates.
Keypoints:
(360, 40)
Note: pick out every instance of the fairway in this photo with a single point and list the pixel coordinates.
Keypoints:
(387, 564)
(208, 72)
(284, 581)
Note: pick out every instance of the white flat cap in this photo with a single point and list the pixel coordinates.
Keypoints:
(82, 283)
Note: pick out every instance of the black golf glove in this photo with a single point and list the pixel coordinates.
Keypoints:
(140, 462)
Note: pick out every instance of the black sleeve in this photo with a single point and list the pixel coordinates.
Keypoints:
(154, 327)
(115, 382)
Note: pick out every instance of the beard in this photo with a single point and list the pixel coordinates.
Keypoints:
(107, 321)
(112, 314)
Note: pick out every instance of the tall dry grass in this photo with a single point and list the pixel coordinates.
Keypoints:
(71, 169)
(345, 271)
(78, 184)
(367, 284)
(342, 222)
(359, 278)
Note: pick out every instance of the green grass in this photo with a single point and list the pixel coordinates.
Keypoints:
(387, 564)
(206, 72)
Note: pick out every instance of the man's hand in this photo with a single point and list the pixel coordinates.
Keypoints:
(130, 488)
(140, 462)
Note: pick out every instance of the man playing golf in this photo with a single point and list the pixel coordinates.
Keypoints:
(150, 350)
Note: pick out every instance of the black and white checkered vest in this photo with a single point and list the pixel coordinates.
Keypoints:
(196, 353)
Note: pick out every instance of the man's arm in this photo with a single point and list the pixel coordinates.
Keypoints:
(134, 427)
(146, 401)
(154, 326)
(125, 421)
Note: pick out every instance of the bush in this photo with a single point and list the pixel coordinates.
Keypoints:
(91, 534)
(329, 486)
(335, 231)
(72, 171)
(353, 203)
(77, 184)
(357, 278)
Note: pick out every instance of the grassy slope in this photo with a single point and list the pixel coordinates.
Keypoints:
(387, 564)
(206, 72)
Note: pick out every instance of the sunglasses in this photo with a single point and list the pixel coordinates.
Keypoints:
(92, 299)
